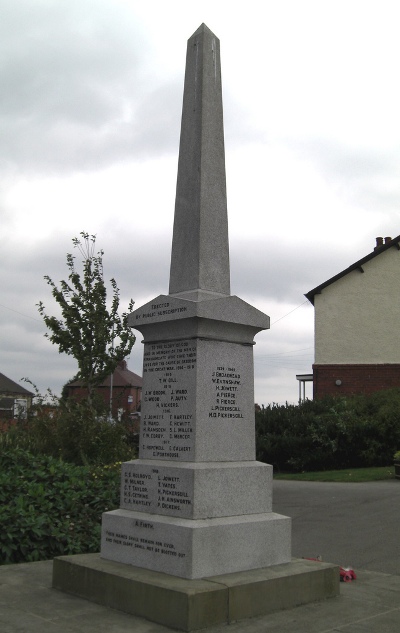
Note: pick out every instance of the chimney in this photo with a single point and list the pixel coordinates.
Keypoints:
(388, 240)
(379, 243)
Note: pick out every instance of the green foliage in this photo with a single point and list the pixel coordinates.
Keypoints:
(78, 432)
(98, 338)
(330, 433)
(51, 508)
(349, 475)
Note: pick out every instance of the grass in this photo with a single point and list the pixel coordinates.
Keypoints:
(351, 474)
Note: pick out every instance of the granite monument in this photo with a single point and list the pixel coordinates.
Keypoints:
(195, 541)
(196, 503)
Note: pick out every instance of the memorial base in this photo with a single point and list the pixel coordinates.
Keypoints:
(196, 548)
(195, 604)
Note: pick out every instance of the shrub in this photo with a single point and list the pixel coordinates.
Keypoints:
(330, 433)
(50, 508)
(75, 431)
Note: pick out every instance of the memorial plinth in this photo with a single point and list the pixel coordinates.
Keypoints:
(196, 503)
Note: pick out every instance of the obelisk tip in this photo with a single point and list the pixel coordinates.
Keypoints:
(203, 28)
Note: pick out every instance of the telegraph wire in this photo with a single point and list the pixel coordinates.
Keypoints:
(302, 349)
(285, 315)
(27, 316)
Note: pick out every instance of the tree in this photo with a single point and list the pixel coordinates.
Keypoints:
(97, 337)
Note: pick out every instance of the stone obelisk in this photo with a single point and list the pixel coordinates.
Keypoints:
(200, 248)
(196, 503)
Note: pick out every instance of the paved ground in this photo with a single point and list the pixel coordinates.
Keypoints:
(349, 524)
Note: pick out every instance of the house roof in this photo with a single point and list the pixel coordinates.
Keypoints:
(9, 387)
(378, 250)
(122, 377)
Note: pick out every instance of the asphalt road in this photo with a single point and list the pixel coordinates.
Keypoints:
(352, 524)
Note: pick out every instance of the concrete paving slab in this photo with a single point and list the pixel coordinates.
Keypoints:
(388, 623)
(24, 573)
(20, 621)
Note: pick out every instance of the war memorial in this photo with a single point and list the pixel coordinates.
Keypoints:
(195, 541)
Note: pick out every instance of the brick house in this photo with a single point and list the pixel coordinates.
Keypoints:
(124, 385)
(357, 313)
(14, 399)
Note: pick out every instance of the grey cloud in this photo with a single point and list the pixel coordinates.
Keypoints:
(282, 270)
(142, 270)
(59, 58)
(128, 261)
(239, 127)
(344, 161)
(70, 80)
(370, 176)
(74, 96)
(158, 120)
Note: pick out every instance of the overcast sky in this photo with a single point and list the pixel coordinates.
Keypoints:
(91, 96)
